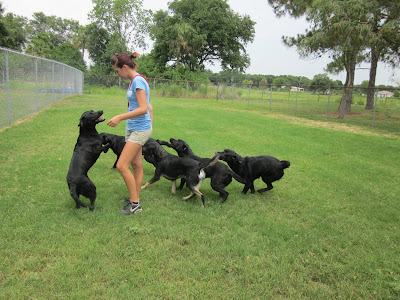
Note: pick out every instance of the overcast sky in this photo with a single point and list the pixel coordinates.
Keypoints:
(268, 54)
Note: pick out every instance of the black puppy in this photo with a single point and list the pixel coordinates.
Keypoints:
(117, 143)
(87, 150)
(250, 168)
(149, 157)
(147, 154)
(220, 174)
(173, 167)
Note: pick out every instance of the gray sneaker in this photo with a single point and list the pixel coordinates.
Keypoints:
(126, 200)
(131, 208)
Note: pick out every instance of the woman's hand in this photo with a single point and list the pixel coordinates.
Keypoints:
(114, 121)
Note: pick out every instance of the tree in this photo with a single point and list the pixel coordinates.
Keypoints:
(15, 27)
(68, 54)
(41, 45)
(384, 21)
(337, 28)
(375, 24)
(59, 30)
(79, 40)
(46, 33)
(321, 83)
(126, 20)
(281, 81)
(194, 32)
(4, 34)
(102, 46)
(183, 33)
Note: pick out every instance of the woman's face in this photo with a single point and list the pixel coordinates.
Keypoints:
(121, 72)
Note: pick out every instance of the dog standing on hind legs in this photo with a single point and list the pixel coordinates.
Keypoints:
(87, 150)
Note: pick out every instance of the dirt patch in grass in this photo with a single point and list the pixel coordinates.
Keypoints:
(351, 113)
(333, 126)
(329, 125)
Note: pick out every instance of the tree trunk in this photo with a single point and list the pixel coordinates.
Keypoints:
(347, 96)
(83, 51)
(372, 76)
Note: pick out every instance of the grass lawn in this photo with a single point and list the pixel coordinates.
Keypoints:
(329, 228)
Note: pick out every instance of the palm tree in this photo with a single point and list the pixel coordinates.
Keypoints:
(181, 42)
(79, 40)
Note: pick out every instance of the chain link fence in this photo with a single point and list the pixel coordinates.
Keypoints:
(29, 84)
(312, 102)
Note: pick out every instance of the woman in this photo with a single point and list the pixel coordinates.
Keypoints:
(138, 127)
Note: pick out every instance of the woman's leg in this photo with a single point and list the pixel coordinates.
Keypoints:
(127, 156)
(137, 165)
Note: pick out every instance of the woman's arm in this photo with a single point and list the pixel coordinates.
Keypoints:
(151, 112)
(141, 110)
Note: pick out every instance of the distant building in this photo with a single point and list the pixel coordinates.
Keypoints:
(384, 94)
(295, 89)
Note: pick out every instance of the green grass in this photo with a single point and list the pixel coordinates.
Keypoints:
(329, 228)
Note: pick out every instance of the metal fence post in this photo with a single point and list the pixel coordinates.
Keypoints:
(233, 91)
(329, 98)
(295, 107)
(270, 99)
(376, 102)
(187, 88)
(37, 91)
(63, 90)
(52, 85)
(217, 90)
(70, 81)
(248, 98)
(8, 89)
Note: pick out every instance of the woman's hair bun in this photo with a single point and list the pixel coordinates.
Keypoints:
(135, 55)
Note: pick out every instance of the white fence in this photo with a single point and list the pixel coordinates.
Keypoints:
(29, 84)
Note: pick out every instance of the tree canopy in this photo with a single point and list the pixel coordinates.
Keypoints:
(126, 20)
(192, 33)
(346, 30)
(12, 32)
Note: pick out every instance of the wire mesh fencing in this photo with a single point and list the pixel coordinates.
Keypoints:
(312, 102)
(29, 84)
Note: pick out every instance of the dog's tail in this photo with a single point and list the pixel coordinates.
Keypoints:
(285, 164)
(236, 177)
(210, 162)
(74, 195)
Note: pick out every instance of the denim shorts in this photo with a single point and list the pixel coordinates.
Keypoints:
(138, 137)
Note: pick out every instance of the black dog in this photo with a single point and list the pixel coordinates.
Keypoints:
(117, 143)
(87, 150)
(147, 154)
(250, 168)
(173, 167)
(220, 174)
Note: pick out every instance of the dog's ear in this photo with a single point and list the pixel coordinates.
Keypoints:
(81, 121)
(238, 160)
